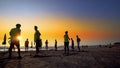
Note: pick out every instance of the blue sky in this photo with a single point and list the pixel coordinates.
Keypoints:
(81, 8)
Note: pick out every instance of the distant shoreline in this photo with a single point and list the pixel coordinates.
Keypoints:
(52, 47)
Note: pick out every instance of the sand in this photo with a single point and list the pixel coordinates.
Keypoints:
(102, 57)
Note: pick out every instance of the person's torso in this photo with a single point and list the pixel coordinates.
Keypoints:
(66, 38)
(26, 43)
(37, 35)
(78, 39)
(14, 33)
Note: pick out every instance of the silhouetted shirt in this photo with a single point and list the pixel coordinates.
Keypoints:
(37, 35)
(78, 39)
(14, 33)
(26, 43)
(66, 38)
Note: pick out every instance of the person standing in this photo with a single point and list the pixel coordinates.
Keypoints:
(72, 44)
(78, 42)
(26, 45)
(14, 34)
(46, 44)
(37, 40)
(55, 45)
(66, 42)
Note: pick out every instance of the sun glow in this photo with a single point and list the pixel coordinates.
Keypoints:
(19, 37)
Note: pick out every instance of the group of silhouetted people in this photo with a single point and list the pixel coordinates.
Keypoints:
(66, 43)
(15, 32)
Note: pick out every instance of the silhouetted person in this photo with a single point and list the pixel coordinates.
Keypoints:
(14, 33)
(72, 44)
(66, 42)
(55, 45)
(46, 44)
(26, 45)
(78, 42)
(37, 39)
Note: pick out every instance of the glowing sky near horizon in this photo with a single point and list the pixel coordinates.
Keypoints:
(95, 21)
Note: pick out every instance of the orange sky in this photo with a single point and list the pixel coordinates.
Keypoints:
(53, 27)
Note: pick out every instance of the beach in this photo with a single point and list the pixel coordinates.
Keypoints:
(101, 57)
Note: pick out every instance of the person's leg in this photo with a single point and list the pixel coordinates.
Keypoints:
(56, 48)
(37, 48)
(68, 47)
(65, 47)
(73, 47)
(18, 47)
(78, 46)
(10, 49)
(25, 48)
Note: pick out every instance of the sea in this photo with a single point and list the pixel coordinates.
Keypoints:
(5, 48)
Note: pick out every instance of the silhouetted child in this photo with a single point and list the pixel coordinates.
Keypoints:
(26, 45)
(55, 45)
(46, 44)
(78, 42)
(72, 44)
(66, 42)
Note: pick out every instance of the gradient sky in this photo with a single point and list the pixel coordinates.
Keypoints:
(95, 21)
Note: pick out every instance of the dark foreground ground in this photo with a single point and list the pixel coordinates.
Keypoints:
(102, 57)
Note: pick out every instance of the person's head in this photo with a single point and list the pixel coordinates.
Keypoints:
(18, 25)
(27, 39)
(77, 36)
(66, 32)
(35, 27)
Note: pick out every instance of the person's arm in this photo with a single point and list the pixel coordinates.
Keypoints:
(68, 38)
(11, 32)
(34, 39)
(80, 39)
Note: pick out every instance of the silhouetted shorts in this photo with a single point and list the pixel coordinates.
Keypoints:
(16, 43)
(38, 43)
(66, 44)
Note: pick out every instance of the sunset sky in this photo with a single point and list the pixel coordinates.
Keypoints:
(95, 21)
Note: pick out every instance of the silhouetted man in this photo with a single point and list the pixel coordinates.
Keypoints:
(14, 34)
(26, 45)
(37, 39)
(78, 42)
(66, 42)
(55, 45)
(72, 44)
